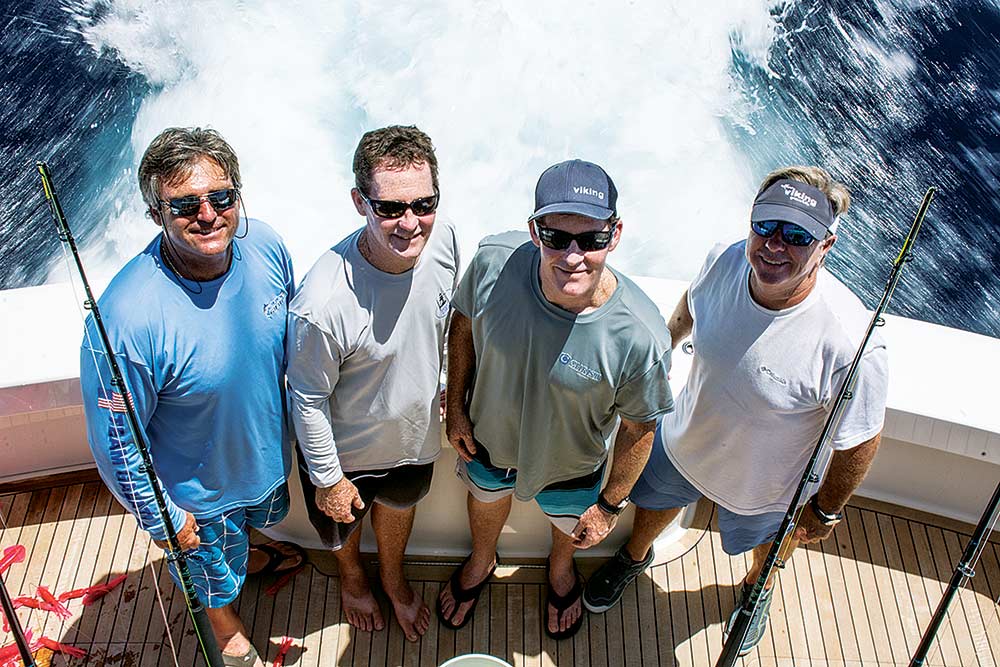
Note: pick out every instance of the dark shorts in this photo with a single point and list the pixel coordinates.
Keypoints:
(661, 487)
(398, 488)
(562, 502)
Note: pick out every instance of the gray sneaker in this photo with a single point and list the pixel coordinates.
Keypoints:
(758, 622)
(605, 587)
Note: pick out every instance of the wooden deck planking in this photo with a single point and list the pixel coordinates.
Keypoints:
(987, 581)
(962, 616)
(861, 598)
(888, 603)
(862, 648)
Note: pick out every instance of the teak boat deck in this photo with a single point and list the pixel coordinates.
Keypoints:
(863, 597)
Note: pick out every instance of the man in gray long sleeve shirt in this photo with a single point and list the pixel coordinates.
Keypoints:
(366, 336)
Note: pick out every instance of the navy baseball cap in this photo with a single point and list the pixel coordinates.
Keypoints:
(576, 187)
(796, 202)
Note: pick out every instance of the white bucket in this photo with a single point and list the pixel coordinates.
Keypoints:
(475, 660)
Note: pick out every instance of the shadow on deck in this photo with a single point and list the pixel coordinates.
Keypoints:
(863, 597)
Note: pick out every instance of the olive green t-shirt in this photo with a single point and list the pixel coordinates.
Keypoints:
(549, 384)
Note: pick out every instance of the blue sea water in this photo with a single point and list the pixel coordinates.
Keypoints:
(688, 106)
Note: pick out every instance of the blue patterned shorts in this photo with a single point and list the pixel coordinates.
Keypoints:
(219, 565)
(562, 502)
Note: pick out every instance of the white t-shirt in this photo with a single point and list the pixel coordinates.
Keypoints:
(365, 350)
(762, 383)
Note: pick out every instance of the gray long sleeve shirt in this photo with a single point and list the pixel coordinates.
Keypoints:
(365, 350)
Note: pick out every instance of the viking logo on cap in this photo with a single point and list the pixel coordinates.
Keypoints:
(584, 190)
(797, 195)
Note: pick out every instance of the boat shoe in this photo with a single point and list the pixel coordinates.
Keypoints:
(607, 584)
(758, 622)
(241, 660)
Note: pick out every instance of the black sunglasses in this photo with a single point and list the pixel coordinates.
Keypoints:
(791, 233)
(388, 208)
(560, 240)
(220, 200)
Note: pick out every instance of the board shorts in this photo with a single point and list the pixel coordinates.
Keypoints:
(661, 486)
(397, 488)
(218, 566)
(562, 502)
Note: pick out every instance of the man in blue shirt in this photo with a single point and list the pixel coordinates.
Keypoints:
(197, 321)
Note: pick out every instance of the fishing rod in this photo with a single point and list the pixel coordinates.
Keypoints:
(15, 627)
(964, 572)
(775, 558)
(203, 629)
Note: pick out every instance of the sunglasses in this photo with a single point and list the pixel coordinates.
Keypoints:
(560, 240)
(220, 200)
(388, 208)
(791, 233)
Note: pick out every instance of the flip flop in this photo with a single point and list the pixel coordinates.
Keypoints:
(463, 595)
(279, 562)
(562, 603)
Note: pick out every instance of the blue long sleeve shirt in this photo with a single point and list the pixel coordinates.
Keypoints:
(204, 364)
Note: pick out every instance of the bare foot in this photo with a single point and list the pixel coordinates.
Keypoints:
(359, 604)
(413, 615)
(472, 574)
(563, 583)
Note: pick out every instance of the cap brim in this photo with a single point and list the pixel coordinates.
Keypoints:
(575, 208)
(764, 212)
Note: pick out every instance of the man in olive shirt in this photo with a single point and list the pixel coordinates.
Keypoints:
(548, 348)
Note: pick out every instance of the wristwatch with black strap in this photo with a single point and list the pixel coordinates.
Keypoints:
(825, 518)
(610, 508)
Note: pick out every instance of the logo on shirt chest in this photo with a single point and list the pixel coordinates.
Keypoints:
(579, 368)
(274, 305)
(443, 304)
(774, 376)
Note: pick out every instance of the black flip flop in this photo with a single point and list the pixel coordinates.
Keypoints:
(276, 560)
(463, 595)
(562, 603)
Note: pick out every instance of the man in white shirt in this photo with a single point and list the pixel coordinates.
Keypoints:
(365, 348)
(774, 334)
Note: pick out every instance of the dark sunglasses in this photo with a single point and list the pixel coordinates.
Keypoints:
(220, 200)
(560, 240)
(791, 233)
(388, 208)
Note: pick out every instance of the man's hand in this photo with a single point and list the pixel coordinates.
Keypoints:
(459, 430)
(809, 530)
(187, 537)
(336, 501)
(593, 526)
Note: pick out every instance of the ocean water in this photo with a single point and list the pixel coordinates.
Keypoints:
(686, 103)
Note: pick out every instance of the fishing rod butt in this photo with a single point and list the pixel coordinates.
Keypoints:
(210, 651)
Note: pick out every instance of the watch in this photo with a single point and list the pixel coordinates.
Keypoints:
(825, 518)
(612, 509)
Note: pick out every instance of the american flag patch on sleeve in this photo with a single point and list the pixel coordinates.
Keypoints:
(116, 403)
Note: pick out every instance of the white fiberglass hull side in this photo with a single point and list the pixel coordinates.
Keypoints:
(940, 452)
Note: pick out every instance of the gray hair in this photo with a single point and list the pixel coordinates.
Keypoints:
(837, 193)
(174, 151)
